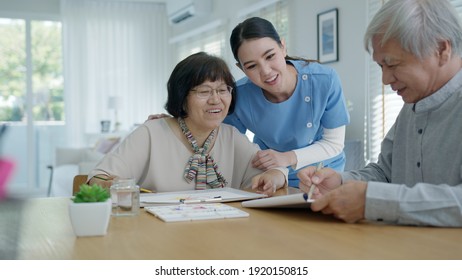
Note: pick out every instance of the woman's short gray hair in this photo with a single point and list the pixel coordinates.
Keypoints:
(418, 25)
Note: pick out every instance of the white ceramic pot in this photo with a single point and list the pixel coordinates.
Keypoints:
(90, 219)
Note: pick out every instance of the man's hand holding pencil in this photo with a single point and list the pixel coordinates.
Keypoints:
(318, 180)
(344, 201)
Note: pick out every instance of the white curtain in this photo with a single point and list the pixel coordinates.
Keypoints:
(112, 48)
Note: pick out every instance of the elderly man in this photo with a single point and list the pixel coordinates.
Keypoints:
(418, 177)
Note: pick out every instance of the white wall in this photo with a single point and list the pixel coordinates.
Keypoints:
(351, 66)
(47, 7)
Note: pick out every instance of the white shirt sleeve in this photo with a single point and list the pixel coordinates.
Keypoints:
(330, 145)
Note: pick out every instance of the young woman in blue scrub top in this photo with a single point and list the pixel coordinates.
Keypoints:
(294, 107)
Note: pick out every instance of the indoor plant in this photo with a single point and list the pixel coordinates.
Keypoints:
(90, 210)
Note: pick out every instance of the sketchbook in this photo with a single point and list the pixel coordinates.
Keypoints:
(197, 196)
(297, 200)
(195, 212)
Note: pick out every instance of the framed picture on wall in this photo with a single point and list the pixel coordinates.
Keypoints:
(328, 36)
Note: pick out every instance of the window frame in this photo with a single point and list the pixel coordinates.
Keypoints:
(29, 71)
(31, 179)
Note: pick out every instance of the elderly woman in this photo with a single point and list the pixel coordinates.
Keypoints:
(193, 149)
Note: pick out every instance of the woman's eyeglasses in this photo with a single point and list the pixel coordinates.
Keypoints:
(206, 92)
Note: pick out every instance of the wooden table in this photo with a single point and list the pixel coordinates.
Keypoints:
(268, 234)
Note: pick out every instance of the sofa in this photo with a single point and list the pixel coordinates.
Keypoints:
(74, 161)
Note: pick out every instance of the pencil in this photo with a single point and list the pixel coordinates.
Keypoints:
(101, 178)
(145, 190)
(313, 186)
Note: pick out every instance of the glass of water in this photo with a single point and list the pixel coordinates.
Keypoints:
(125, 196)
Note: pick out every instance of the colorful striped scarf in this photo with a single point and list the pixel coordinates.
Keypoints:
(201, 165)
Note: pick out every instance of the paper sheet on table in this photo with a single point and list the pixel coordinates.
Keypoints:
(194, 212)
(214, 195)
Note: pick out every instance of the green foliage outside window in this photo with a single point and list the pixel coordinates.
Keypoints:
(47, 79)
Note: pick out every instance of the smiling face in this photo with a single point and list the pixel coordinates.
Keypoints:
(411, 78)
(205, 114)
(263, 62)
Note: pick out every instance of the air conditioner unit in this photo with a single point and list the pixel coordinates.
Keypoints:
(180, 10)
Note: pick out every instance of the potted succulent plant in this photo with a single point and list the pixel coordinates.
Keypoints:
(90, 210)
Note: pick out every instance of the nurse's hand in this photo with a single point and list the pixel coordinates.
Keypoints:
(267, 159)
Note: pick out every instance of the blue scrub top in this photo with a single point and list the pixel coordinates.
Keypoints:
(317, 102)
